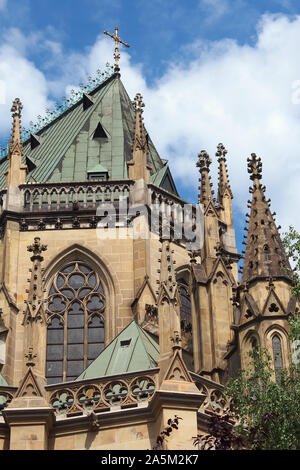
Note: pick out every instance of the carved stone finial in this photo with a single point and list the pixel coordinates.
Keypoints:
(176, 340)
(138, 103)
(204, 160)
(254, 167)
(16, 108)
(221, 152)
(30, 358)
(36, 248)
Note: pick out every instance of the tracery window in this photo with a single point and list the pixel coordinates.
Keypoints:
(185, 314)
(277, 355)
(75, 316)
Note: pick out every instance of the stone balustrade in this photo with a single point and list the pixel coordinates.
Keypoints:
(45, 197)
(215, 399)
(102, 394)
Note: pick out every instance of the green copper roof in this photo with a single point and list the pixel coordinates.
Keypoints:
(132, 350)
(96, 130)
(3, 382)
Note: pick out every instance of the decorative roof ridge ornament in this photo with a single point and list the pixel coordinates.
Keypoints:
(118, 41)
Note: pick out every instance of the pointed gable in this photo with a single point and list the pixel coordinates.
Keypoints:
(132, 350)
(273, 305)
(30, 386)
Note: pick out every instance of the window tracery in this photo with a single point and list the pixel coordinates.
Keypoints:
(75, 317)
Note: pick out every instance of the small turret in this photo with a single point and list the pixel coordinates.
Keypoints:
(264, 256)
(138, 166)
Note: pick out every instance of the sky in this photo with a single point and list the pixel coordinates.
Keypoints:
(210, 71)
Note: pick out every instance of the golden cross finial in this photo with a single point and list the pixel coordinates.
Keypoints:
(118, 41)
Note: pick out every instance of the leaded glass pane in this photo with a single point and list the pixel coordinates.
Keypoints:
(55, 336)
(76, 336)
(54, 368)
(55, 352)
(75, 351)
(96, 335)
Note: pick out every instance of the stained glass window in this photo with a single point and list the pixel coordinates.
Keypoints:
(185, 314)
(75, 315)
(277, 355)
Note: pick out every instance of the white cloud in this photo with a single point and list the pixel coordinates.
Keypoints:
(20, 78)
(240, 95)
(3, 4)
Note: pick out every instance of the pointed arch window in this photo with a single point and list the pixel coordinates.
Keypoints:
(75, 316)
(185, 314)
(277, 355)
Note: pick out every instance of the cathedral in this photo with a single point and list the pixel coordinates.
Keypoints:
(121, 306)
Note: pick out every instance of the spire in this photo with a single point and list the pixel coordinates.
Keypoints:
(16, 173)
(223, 175)
(206, 193)
(138, 166)
(265, 256)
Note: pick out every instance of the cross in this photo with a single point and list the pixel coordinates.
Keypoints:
(118, 41)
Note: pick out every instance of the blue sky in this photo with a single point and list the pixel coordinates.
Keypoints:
(210, 71)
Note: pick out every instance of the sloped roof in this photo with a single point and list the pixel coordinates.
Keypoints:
(68, 147)
(132, 350)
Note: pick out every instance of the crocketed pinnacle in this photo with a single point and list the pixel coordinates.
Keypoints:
(206, 193)
(138, 166)
(35, 292)
(223, 175)
(168, 281)
(140, 141)
(15, 145)
(264, 256)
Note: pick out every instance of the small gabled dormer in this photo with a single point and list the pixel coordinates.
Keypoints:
(99, 172)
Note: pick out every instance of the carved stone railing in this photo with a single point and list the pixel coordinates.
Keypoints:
(215, 399)
(45, 197)
(103, 394)
(6, 396)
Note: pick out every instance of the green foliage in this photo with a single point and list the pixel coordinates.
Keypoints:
(291, 243)
(268, 410)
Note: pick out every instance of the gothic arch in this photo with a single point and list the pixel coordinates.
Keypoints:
(281, 333)
(78, 252)
(247, 346)
(76, 258)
